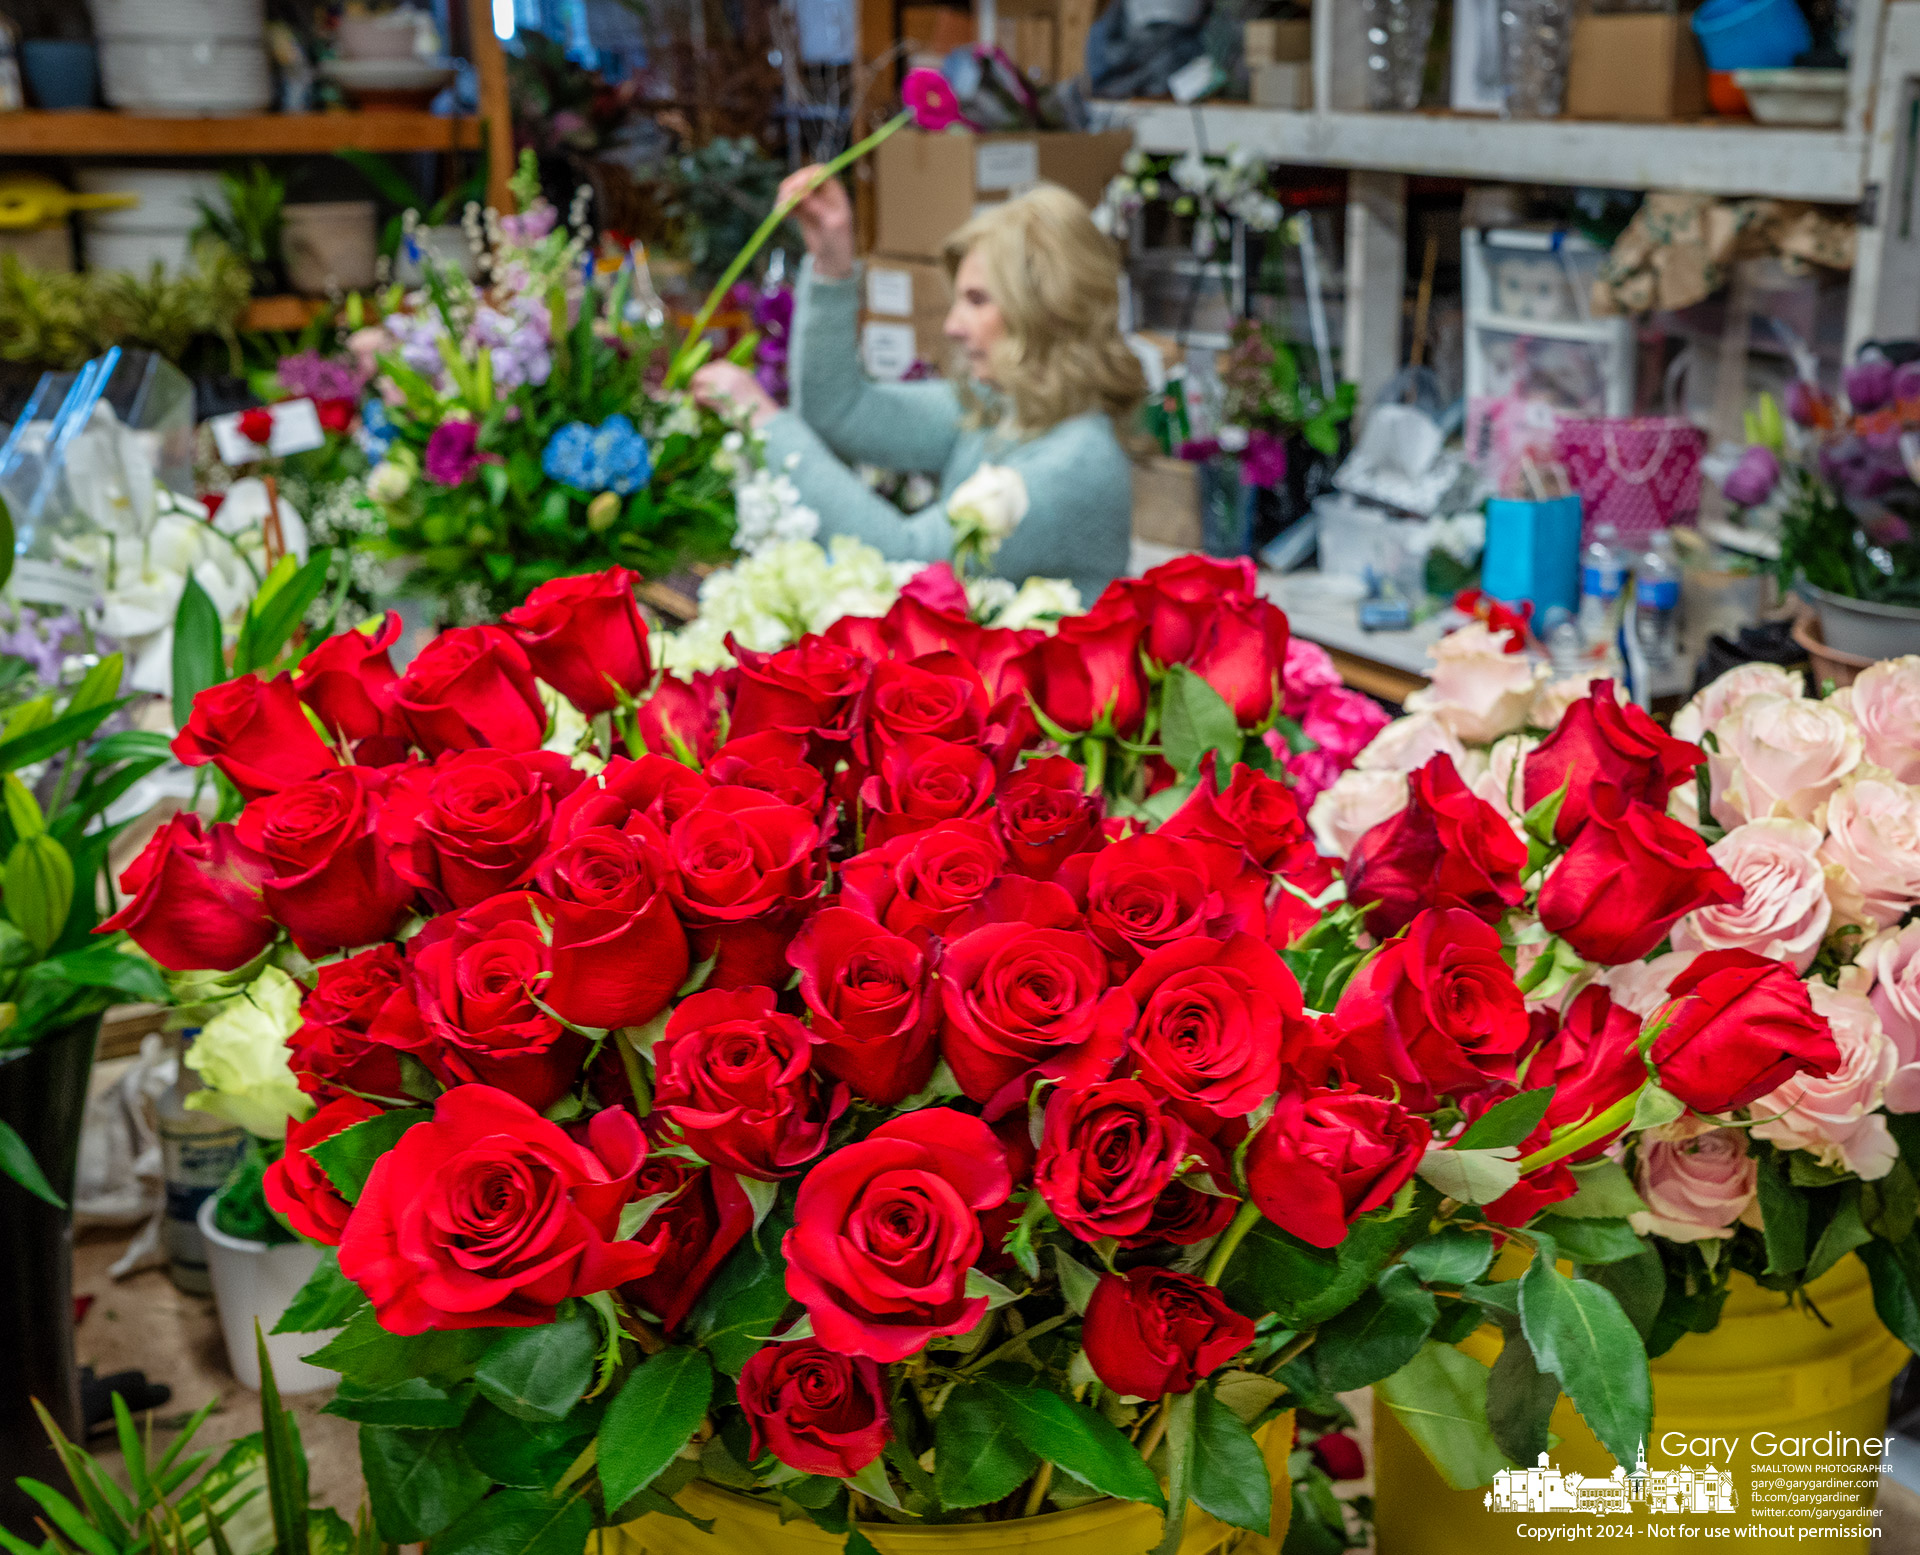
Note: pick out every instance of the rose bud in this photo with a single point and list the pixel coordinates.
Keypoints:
(1599, 742)
(921, 782)
(347, 683)
(584, 637)
(807, 689)
(743, 866)
(1447, 848)
(1738, 1027)
(815, 1410)
(681, 715)
(257, 734)
(298, 1189)
(1152, 1331)
(194, 901)
(874, 1009)
(1254, 813)
(1087, 678)
(1327, 1157)
(1339, 1456)
(1242, 652)
(706, 1216)
(471, 687)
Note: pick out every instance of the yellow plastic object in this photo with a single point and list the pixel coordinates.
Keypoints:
(1768, 1369)
(27, 200)
(746, 1527)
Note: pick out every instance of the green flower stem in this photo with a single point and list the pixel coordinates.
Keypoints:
(683, 359)
(1580, 1135)
(1230, 1240)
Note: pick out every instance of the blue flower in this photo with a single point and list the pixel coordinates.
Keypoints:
(614, 457)
(377, 431)
(569, 457)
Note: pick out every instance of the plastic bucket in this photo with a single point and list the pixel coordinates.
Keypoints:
(1768, 1370)
(1751, 34)
(1105, 1528)
(1862, 627)
(254, 1281)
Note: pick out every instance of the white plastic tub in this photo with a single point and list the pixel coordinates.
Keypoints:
(254, 1281)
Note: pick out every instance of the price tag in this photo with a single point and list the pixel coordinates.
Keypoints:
(887, 349)
(890, 292)
(1006, 164)
(296, 429)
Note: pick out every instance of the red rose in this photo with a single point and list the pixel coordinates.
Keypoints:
(656, 789)
(1740, 1025)
(256, 425)
(922, 782)
(333, 1051)
(1151, 1331)
(1044, 815)
(489, 1216)
(692, 1234)
(471, 687)
(296, 1187)
(1327, 1157)
(681, 719)
(329, 878)
(347, 683)
(1292, 914)
(584, 637)
(885, 1230)
(733, 1078)
(938, 696)
(814, 1409)
(257, 734)
(1254, 813)
(1339, 1456)
(475, 823)
(1176, 598)
(1242, 653)
(874, 1012)
(1145, 893)
(926, 881)
(1601, 741)
(469, 1011)
(1212, 1023)
(619, 953)
(1435, 1012)
(1192, 1208)
(335, 415)
(744, 865)
(194, 900)
(1087, 678)
(1592, 1060)
(1109, 1151)
(1447, 848)
(1629, 875)
(1020, 1002)
(775, 764)
(808, 689)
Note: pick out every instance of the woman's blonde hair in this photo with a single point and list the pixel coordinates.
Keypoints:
(1056, 280)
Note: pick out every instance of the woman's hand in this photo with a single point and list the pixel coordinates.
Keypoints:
(826, 222)
(733, 391)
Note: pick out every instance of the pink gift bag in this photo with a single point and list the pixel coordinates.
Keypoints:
(1638, 473)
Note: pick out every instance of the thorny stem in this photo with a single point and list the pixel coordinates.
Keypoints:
(1158, 1428)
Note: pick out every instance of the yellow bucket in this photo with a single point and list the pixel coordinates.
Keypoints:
(1768, 1371)
(742, 1526)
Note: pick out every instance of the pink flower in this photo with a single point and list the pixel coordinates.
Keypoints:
(1836, 1116)
(1264, 462)
(1894, 960)
(1873, 835)
(1309, 671)
(1697, 1181)
(1726, 694)
(931, 99)
(938, 588)
(451, 454)
(1343, 723)
(1780, 756)
(1885, 703)
(1355, 803)
(1479, 690)
(1785, 912)
(1504, 784)
(1409, 743)
(1641, 986)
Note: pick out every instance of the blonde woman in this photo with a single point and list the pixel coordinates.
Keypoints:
(1042, 383)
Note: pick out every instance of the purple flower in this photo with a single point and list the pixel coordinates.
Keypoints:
(451, 455)
(1906, 382)
(309, 375)
(1752, 480)
(1265, 461)
(1868, 384)
(525, 230)
(1198, 450)
(1804, 402)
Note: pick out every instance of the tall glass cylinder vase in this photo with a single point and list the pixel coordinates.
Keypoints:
(1398, 33)
(1226, 508)
(43, 1095)
(1536, 41)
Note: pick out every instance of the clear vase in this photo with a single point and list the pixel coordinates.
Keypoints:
(1398, 32)
(1536, 40)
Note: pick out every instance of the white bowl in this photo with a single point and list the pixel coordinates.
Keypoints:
(135, 251)
(188, 19)
(168, 197)
(1815, 99)
(185, 77)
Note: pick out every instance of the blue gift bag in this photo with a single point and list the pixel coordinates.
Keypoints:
(1533, 552)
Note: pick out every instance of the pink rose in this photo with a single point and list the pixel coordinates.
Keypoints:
(1836, 1116)
(1504, 785)
(1551, 702)
(1641, 986)
(1357, 802)
(1309, 671)
(1409, 743)
(1785, 912)
(1894, 960)
(1479, 691)
(1780, 756)
(1885, 703)
(1726, 694)
(1873, 836)
(1343, 723)
(1697, 1181)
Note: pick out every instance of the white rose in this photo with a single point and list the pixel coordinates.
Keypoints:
(1479, 691)
(1409, 743)
(1784, 913)
(1503, 784)
(990, 502)
(1836, 1116)
(1359, 800)
(1873, 837)
(1780, 756)
(241, 1055)
(389, 482)
(1728, 692)
(1885, 703)
(1041, 602)
(1556, 696)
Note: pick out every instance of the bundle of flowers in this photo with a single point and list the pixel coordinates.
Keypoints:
(1209, 189)
(926, 1074)
(1268, 404)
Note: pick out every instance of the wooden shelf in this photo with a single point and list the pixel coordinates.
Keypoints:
(283, 314)
(98, 133)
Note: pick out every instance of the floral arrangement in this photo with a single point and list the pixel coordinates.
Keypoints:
(1266, 404)
(1212, 189)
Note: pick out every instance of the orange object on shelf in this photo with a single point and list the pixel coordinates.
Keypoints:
(99, 132)
(1725, 96)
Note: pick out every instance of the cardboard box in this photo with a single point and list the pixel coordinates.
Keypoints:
(1064, 38)
(926, 186)
(1277, 43)
(1645, 67)
(1029, 42)
(935, 30)
(1166, 502)
(903, 314)
(1280, 86)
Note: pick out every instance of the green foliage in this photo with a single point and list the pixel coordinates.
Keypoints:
(249, 221)
(743, 1304)
(1440, 1397)
(1578, 1332)
(1075, 1438)
(651, 1419)
(1821, 541)
(53, 320)
(539, 1374)
(978, 1457)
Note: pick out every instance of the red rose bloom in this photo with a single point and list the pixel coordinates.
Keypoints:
(922, 782)
(1630, 873)
(1599, 742)
(257, 734)
(256, 425)
(1242, 652)
(475, 823)
(885, 1230)
(489, 1216)
(815, 1410)
(619, 953)
(1448, 848)
(329, 878)
(1436, 1012)
(1740, 1026)
(1152, 1331)
(584, 637)
(336, 414)
(1339, 1456)
(744, 865)
(1254, 813)
(1292, 914)
(775, 764)
(681, 717)
(692, 1234)
(347, 683)
(1108, 1153)
(1019, 1002)
(1087, 678)
(924, 882)
(296, 1187)
(655, 789)
(1044, 815)
(1592, 1060)
(937, 696)
(194, 900)
(733, 1078)
(471, 687)
(874, 1011)
(1145, 893)
(1327, 1157)
(333, 1052)
(1176, 599)
(1188, 1209)
(807, 689)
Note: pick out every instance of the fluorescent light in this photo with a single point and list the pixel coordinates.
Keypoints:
(503, 19)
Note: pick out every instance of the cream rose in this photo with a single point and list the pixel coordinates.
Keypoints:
(1479, 691)
(1553, 699)
(1836, 1117)
(1503, 784)
(1885, 703)
(1728, 692)
(1358, 801)
(1780, 756)
(990, 503)
(1785, 912)
(1641, 986)
(1409, 743)
(1893, 961)
(1873, 837)
(241, 1054)
(1696, 1184)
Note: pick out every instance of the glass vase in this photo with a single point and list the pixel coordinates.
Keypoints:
(1398, 32)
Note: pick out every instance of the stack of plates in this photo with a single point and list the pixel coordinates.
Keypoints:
(158, 228)
(183, 57)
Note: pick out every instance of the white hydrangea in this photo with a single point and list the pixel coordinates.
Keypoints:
(1038, 602)
(768, 511)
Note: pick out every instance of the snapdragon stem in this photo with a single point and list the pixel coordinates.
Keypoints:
(1583, 1134)
(1230, 1240)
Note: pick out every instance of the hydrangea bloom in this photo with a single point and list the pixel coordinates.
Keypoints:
(612, 457)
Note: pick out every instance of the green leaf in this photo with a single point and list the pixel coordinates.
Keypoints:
(1440, 1397)
(348, 1156)
(50, 739)
(1591, 1241)
(1195, 719)
(1179, 1461)
(1508, 1122)
(1472, 1176)
(1578, 1332)
(1606, 1192)
(286, 1459)
(1520, 1398)
(519, 1522)
(1077, 1281)
(415, 1403)
(520, 1453)
(654, 1416)
(1539, 823)
(418, 1481)
(737, 1312)
(6, 542)
(17, 1162)
(271, 619)
(1783, 1214)
(540, 1373)
(1454, 1257)
(198, 659)
(1377, 1335)
(1895, 1271)
(977, 1458)
(1230, 1477)
(101, 685)
(37, 882)
(327, 1300)
(1638, 1283)
(1083, 1443)
(366, 1351)
(1842, 1235)
(1890, 1205)
(1655, 1109)
(1303, 1285)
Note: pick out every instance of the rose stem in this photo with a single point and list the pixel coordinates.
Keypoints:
(1157, 1430)
(1038, 1493)
(1230, 1240)
(1580, 1137)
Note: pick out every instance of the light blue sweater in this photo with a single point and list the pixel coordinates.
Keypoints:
(1079, 482)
